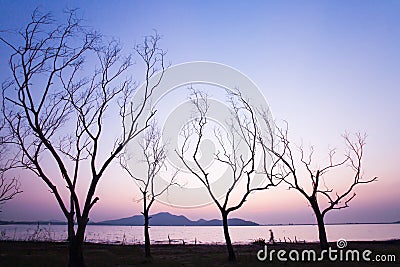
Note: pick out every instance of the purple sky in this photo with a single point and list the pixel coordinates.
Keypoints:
(326, 67)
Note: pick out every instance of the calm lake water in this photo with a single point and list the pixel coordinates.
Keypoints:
(202, 234)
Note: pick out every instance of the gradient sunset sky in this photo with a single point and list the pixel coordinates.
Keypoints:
(325, 67)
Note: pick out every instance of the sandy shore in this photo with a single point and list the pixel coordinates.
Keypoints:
(18, 253)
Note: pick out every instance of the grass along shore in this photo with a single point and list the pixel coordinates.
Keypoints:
(22, 253)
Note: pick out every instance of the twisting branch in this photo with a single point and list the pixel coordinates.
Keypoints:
(37, 109)
(319, 189)
(153, 156)
(237, 151)
(9, 186)
(354, 155)
(57, 103)
(152, 161)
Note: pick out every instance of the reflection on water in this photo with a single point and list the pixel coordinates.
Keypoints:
(202, 234)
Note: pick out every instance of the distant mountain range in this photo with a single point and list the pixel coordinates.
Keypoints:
(168, 219)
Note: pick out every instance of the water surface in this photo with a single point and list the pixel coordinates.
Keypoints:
(203, 234)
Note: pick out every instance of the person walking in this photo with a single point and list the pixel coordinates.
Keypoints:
(271, 237)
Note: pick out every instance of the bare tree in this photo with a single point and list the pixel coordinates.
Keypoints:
(66, 82)
(153, 159)
(237, 151)
(318, 190)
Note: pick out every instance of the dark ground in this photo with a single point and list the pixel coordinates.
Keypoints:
(20, 253)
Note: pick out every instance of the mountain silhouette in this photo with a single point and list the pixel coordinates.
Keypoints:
(168, 219)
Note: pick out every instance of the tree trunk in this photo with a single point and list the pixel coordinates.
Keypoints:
(71, 230)
(147, 252)
(146, 235)
(231, 252)
(76, 247)
(323, 240)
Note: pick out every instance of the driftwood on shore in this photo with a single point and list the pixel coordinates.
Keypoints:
(170, 241)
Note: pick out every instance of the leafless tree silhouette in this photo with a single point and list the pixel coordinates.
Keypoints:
(320, 191)
(240, 160)
(154, 156)
(67, 81)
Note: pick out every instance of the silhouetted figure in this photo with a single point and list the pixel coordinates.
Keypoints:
(271, 237)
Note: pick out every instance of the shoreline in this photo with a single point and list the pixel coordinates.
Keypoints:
(132, 235)
(40, 222)
(41, 253)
